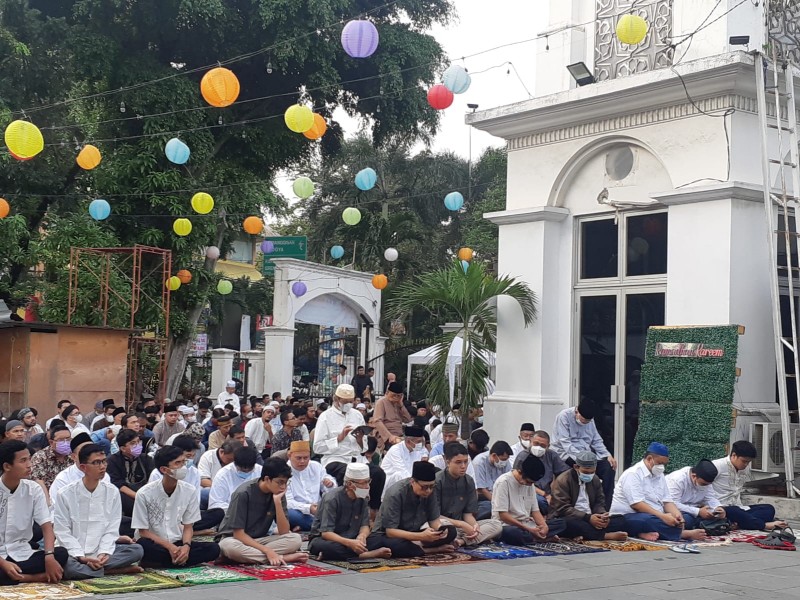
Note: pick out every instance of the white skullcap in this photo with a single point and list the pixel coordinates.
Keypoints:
(274, 403)
(270, 407)
(231, 383)
(357, 471)
(361, 405)
(185, 410)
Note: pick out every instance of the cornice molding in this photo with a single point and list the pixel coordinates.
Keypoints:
(730, 190)
(527, 215)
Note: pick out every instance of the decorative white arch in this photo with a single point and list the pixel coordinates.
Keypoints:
(334, 297)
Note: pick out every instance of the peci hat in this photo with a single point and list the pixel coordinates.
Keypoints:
(450, 428)
(78, 440)
(658, 448)
(532, 468)
(527, 427)
(300, 446)
(345, 391)
(706, 470)
(13, 423)
(423, 471)
(395, 387)
(412, 431)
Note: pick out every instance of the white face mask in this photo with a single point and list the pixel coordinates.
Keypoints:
(346, 407)
(191, 419)
(538, 451)
(526, 444)
(419, 447)
(658, 470)
(180, 473)
(361, 492)
(578, 420)
(501, 464)
(110, 418)
(78, 418)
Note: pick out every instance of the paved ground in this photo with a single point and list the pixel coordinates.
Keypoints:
(737, 571)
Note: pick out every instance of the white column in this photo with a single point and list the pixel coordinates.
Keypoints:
(221, 368)
(278, 360)
(379, 349)
(255, 376)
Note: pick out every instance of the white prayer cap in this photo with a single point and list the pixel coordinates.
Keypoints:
(345, 392)
(270, 407)
(231, 383)
(185, 410)
(274, 403)
(361, 405)
(357, 471)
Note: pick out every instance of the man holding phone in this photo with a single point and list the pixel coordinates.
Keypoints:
(693, 494)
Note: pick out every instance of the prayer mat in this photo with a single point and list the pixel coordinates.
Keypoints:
(442, 558)
(40, 591)
(203, 538)
(564, 547)
(204, 574)
(502, 552)
(711, 541)
(123, 584)
(630, 545)
(291, 571)
(372, 565)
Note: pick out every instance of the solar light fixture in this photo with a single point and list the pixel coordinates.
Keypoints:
(581, 74)
(739, 40)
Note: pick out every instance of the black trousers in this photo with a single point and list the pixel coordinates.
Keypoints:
(35, 564)
(209, 519)
(606, 475)
(376, 474)
(158, 557)
(406, 549)
(329, 550)
(580, 528)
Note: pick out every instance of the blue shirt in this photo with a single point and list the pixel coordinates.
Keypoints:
(571, 438)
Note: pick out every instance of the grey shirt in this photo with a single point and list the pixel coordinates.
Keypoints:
(403, 509)
(250, 509)
(339, 514)
(553, 467)
(456, 496)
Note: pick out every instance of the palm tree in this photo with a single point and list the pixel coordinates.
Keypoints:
(463, 295)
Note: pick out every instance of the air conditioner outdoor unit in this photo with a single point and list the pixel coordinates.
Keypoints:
(768, 440)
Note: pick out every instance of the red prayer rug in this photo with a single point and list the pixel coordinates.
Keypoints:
(291, 571)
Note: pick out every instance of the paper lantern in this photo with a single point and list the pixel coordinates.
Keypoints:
(318, 129)
(212, 253)
(456, 79)
(267, 247)
(184, 275)
(89, 157)
(360, 39)
(202, 203)
(182, 227)
(465, 254)
(220, 87)
(19, 158)
(299, 288)
(366, 179)
(439, 97)
(379, 281)
(465, 265)
(391, 254)
(24, 140)
(177, 152)
(253, 225)
(299, 118)
(173, 283)
(454, 201)
(5, 208)
(224, 287)
(337, 252)
(303, 187)
(351, 215)
(99, 209)
(631, 29)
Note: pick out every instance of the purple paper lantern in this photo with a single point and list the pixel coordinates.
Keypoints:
(267, 247)
(299, 288)
(360, 39)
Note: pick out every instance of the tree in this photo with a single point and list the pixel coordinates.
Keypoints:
(464, 296)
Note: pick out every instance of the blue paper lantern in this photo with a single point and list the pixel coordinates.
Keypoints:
(177, 152)
(366, 179)
(456, 79)
(99, 209)
(464, 265)
(360, 39)
(299, 288)
(337, 252)
(454, 201)
(267, 247)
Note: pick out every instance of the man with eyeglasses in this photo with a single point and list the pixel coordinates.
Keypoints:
(72, 473)
(87, 517)
(408, 521)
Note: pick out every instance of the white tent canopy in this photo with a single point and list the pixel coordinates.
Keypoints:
(428, 355)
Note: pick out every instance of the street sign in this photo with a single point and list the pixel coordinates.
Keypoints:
(289, 246)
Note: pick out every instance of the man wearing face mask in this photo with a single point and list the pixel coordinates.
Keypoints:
(47, 463)
(400, 458)
(187, 415)
(642, 497)
(230, 477)
(574, 431)
(129, 468)
(104, 419)
(489, 466)
(693, 494)
(553, 466)
(526, 432)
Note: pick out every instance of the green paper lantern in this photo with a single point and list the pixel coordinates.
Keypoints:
(351, 216)
(224, 287)
(303, 187)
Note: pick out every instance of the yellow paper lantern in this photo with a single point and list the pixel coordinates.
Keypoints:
(5, 208)
(24, 140)
(184, 275)
(253, 225)
(465, 254)
(173, 283)
(220, 87)
(89, 157)
(182, 227)
(202, 203)
(299, 118)
(631, 29)
(380, 281)
(318, 129)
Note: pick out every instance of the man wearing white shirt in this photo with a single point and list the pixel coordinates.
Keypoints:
(210, 464)
(87, 519)
(22, 502)
(400, 458)
(71, 473)
(306, 486)
(642, 497)
(163, 516)
(574, 431)
(260, 430)
(525, 437)
(228, 396)
(693, 494)
(62, 404)
(230, 477)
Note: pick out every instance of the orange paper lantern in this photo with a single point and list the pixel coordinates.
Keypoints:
(318, 129)
(379, 281)
(253, 225)
(5, 208)
(465, 254)
(89, 157)
(184, 275)
(220, 87)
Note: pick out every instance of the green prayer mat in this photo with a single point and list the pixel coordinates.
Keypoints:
(204, 574)
(123, 584)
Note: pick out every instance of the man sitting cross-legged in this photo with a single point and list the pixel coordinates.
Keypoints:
(22, 502)
(308, 483)
(87, 516)
(407, 507)
(254, 507)
(164, 513)
(458, 500)
(341, 524)
(693, 494)
(577, 497)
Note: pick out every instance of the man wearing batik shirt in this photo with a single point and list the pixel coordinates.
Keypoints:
(47, 463)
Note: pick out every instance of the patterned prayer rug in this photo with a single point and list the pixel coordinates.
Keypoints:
(204, 574)
(627, 546)
(502, 552)
(270, 573)
(372, 565)
(203, 538)
(564, 547)
(40, 591)
(444, 558)
(122, 584)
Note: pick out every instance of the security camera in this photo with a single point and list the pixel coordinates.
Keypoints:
(604, 198)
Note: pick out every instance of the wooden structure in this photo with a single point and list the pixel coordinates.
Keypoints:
(42, 363)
